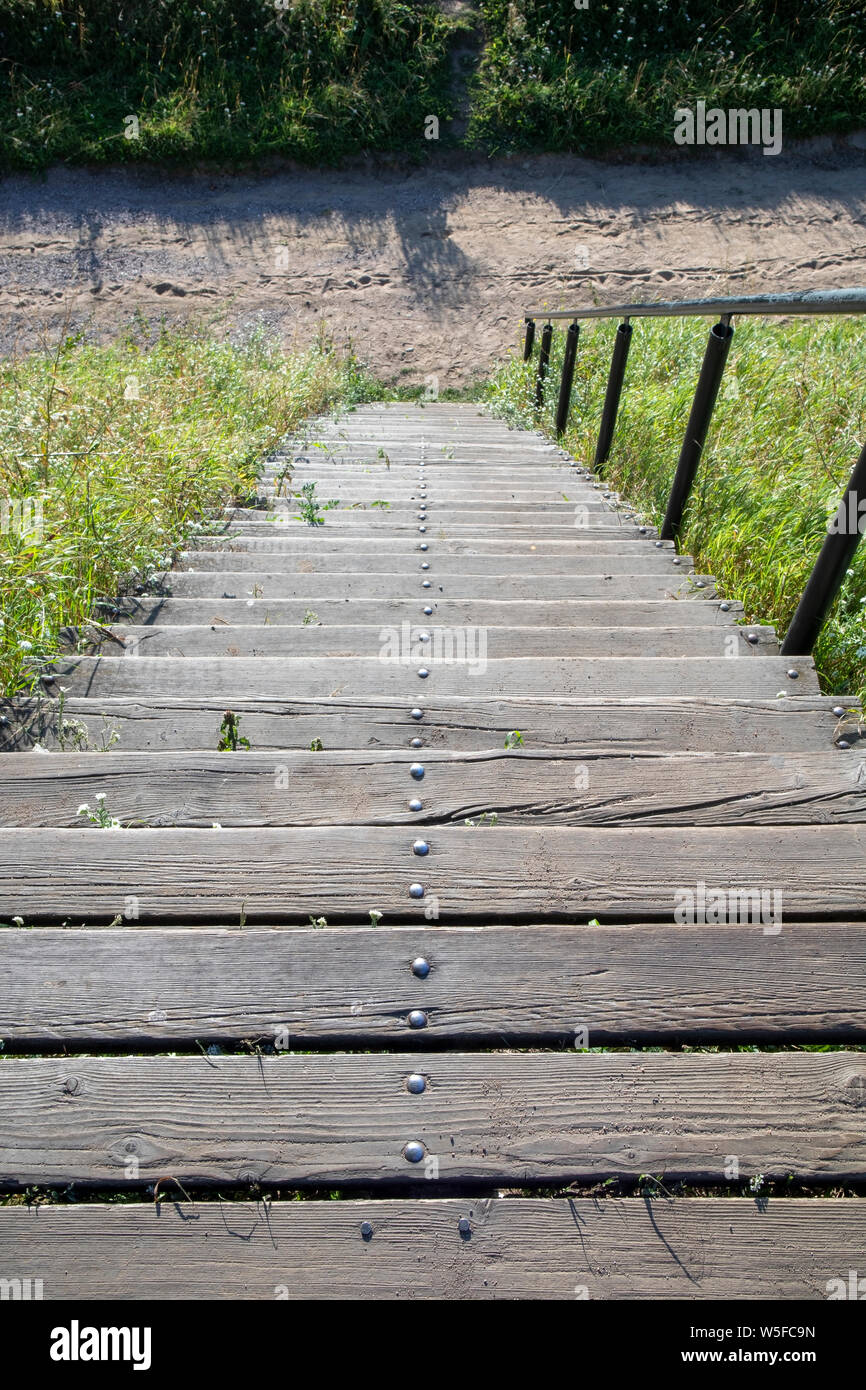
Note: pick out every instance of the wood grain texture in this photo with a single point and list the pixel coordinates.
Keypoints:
(406, 565)
(339, 585)
(487, 986)
(490, 612)
(340, 640)
(488, 872)
(516, 1248)
(476, 676)
(369, 788)
(634, 725)
(314, 1120)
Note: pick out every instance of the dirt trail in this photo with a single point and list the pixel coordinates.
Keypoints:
(425, 271)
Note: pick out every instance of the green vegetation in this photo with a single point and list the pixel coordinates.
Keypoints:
(787, 429)
(312, 80)
(558, 77)
(89, 81)
(110, 458)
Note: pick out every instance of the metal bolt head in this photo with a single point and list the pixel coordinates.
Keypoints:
(427, 611)
(422, 529)
(676, 560)
(421, 847)
(838, 710)
(699, 584)
(725, 607)
(417, 1019)
(659, 545)
(753, 638)
(423, 672)
(416, 890)
(415, 805)
(423, 636)
(423, 546)
(425, 584)
(366, 1230)
(642, 530)
(417, 713)
(417, 771)
(793, 675)
(413, 1152)
(843, 743)
(464, 1226)
(425, 565)
(421, 967)
(417, 743)
(416, 1084)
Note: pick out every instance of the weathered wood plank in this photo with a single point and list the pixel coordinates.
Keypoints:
(408, 566)
(545, 1117)
(406, 548)
(342, 585)
(568, 787)
(695, 724)
(495, 986)
(341, 640)
(453, 612)
(477, 675)
(489, 872)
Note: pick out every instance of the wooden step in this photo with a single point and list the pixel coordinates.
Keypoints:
(545, 984)
(396, 674)
(486, 612)
(484, 872)
(513, 1248)
(409, 566)
(674, 724)
(490, 1118)
(564, 786)
(338, 585)
(364, 640)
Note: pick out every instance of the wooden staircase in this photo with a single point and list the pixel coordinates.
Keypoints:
(483, 949)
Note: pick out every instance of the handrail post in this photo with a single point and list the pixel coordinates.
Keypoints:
(529, 339)
(835, 556)
(621, 345)
(706, 391)
(564, 402)
(543, 360)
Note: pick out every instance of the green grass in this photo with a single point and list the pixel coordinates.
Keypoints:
(320, 80)
(126, 449)
(788, 426)
(312, 80)
(554, 77)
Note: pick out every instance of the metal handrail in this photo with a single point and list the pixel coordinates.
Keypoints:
(809, 302)
(841, 542)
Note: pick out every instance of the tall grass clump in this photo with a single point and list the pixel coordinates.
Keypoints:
(110, 457)
(89, 81)
(787, 429)
(556, 77)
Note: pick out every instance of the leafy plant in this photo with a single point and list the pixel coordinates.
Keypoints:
(230, 737)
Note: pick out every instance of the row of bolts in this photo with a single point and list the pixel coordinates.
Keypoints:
(416, 1084)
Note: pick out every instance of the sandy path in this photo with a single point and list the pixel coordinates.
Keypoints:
(426, 271)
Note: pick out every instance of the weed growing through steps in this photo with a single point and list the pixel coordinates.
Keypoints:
(123, 453)
(311, 507)
(98, 815)
(787, 428)
(230, 737)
